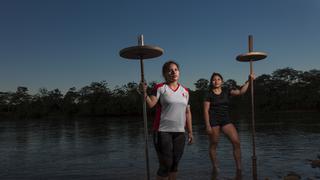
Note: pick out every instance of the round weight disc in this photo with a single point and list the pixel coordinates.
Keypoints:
(251, 56)
(141, 52)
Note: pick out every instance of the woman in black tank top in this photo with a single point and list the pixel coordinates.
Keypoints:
(216, 116)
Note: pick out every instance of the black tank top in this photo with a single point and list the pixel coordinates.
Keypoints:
(219, 104)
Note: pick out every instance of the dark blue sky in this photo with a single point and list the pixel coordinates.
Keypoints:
(63, 44)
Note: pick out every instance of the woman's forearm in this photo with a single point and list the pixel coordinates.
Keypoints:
(151, 101)
(206, 119)
(244, 87)
(206, 106)
(189, 121)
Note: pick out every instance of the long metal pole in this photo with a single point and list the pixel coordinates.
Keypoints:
(254, 158)
(141, 43)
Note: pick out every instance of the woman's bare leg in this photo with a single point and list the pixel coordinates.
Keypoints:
(231, 132)
(214, 139)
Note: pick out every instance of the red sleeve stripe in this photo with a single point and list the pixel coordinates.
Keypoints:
(156, 87)
(156, 121)
(186, 89)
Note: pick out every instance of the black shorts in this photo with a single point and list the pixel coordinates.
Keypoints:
(169, 147)
(219, 122)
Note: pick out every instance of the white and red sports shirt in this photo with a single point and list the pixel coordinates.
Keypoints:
(171, 108)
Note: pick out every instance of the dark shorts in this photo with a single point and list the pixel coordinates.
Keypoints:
(169, 147)
(219, 122)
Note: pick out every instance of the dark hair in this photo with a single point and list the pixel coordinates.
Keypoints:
(212, 76)
(166, 66)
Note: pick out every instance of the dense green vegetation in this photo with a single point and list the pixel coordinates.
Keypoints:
(284, 90)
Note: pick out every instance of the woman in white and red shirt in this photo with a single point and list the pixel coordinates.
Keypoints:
(173, 115)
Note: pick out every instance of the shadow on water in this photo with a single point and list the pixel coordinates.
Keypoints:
(113, 148)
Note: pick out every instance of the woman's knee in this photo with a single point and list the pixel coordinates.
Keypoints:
(214, 139)
(213, 145)
(236, 144)
(165, 168)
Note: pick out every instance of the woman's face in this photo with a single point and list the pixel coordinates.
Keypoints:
(216, 81)
(172, 73)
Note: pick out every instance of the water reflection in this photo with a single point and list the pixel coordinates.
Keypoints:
(113, 148)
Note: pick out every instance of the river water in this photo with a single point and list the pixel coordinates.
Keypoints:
(113, 148)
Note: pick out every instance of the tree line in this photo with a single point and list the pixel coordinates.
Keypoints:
(285, 89)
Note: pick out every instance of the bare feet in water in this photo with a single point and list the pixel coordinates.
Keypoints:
(214, 174)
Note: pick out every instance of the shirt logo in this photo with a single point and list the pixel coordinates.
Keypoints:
(184, 95)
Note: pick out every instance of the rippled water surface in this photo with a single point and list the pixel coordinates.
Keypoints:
(113, 148)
